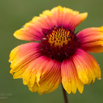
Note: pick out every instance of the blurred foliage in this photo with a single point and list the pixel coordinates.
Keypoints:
(14, 14)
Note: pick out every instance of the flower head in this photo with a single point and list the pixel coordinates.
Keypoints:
(60, 56)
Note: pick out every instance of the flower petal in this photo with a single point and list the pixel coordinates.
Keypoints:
(42, 75)
(67, 17)
(21, 56)
(91, 39)
(70, 78)
(30, 33)
(86, 66)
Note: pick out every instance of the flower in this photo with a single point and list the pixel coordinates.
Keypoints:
(60, 55)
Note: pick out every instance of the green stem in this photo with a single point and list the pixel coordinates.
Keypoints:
(65, 95)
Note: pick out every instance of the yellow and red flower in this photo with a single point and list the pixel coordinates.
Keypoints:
(60, 56)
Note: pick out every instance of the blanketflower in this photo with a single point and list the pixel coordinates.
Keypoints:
(60, 55)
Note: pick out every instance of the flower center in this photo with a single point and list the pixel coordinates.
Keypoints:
(59, 43)
(59, 37)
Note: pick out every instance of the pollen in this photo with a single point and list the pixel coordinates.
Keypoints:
(59, 37)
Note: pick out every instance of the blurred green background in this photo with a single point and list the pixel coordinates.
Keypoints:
(13, 15)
